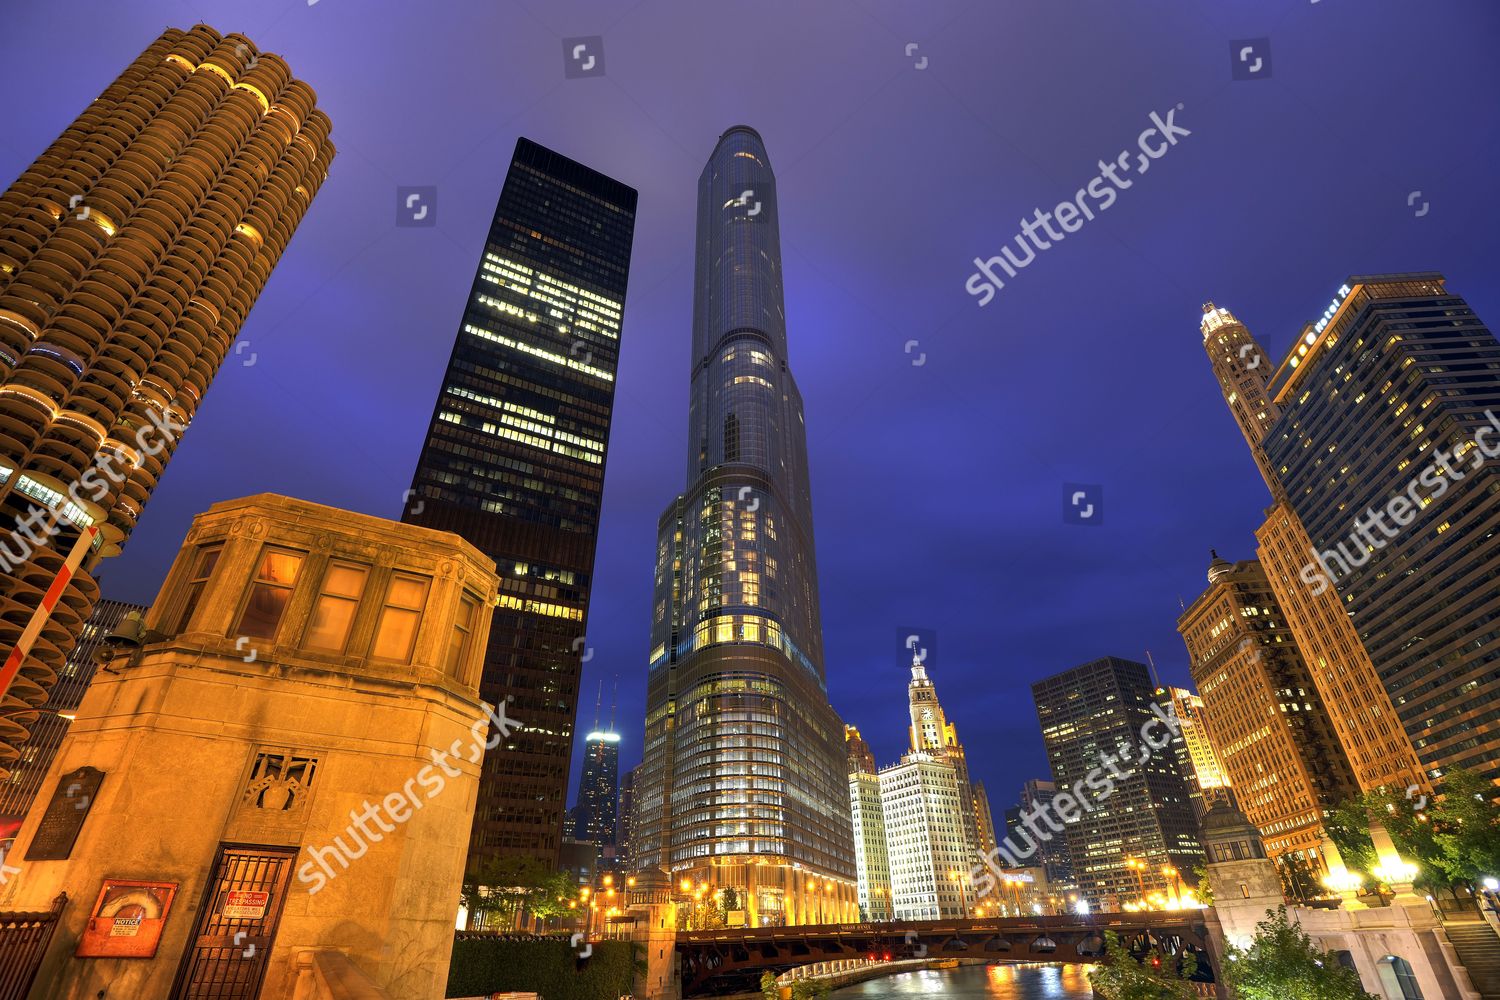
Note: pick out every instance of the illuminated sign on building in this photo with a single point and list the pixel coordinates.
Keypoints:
(1333, 308)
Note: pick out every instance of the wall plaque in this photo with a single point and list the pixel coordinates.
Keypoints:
(60, 824)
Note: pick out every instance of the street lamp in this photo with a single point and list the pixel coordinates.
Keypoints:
(1138, 866)
(1170, 872)
(963, 894)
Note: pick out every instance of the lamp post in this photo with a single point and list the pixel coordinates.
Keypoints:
(1170, 872)
(1138, 866)
(963, 894)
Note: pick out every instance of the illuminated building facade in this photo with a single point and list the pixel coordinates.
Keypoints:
(1364, 722)
(1101, 709)
(1268, 722)
(595, 818)
(19, 790)
(1052, 855)
(742, 783)
(931, 732)
(514, 463)
(1384, 405)
(1200, 767)
(926, 838)
(870, 854)
(131, 252)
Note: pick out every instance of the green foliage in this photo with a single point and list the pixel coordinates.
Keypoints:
(1298, 880)
(1155, 976)
(550, 967)
(768, 988)
(809, 989)
(1205, 890)
(1283, 963)
(1455, 842)
(1348, 827)
(501, 891)
(731, 901)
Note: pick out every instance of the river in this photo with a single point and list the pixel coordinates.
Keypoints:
(978, 982)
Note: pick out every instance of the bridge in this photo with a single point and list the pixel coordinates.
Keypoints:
(733, 959)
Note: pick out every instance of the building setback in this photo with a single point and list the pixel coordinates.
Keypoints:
(514, 463)
(1266, 718)
(1096, 711)
(742, 783)
(131, 252)
(1349, 687)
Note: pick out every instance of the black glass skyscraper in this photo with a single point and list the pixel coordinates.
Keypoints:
(742, 785)
(594, 814)
(514, 463)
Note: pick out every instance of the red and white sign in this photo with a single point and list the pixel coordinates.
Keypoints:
(246, 905)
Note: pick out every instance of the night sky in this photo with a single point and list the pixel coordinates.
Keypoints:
(938, 488)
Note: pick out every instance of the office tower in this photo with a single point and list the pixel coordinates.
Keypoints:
(1382, 407)
(1377, 449)
(929, 850)
(872, 862)
(1267, 720)
(1343, 674)
(598, 791)
(931, 732)
(742, 782)
(984, 820)
(1091, 716)
(624, 855)
(19, 790)
(930, 818)
(514, 462)
(1052, 854)
(1200, 767)
(130, 253)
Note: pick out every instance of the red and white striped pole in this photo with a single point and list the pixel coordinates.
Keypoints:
(44, 612)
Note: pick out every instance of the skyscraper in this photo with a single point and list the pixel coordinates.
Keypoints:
(1052, 855)
(931, 732)
(1383, 406)
(130, 253)
(1206, 781)
(625, 818)
(598, 792)
(1102, 709)
(1348, 686)
(742, 782)
(514, 463)
(1267, 720)
(19, 790)
(1374, 450)
(872, 859)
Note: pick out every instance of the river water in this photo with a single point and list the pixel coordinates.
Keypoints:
(977, 982)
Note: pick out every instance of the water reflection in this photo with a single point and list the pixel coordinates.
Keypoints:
(972, 982)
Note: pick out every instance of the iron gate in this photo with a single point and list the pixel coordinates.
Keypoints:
(226, 957)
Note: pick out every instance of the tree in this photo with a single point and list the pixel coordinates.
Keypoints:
(502, 890)
(550, 894)
(1298, 881)
(1205, 890)
(1155, 976)
(768, 988)
(1283, 963)
(1455, 841)
(731, 901)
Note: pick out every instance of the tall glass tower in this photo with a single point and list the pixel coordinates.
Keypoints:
(514, 463)
(743, 784)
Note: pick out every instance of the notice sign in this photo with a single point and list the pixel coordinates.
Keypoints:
(127, 919)
(244, 905)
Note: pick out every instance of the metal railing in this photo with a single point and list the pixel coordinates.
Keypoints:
(23, 944)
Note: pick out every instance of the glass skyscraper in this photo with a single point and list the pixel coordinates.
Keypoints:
(514, 463)
(595, 819)
(742, 783)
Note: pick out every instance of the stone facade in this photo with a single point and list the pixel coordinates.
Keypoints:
(303, 704)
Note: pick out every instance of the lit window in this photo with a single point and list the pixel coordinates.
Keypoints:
(269, 593)
(397, 631)
(333, 615)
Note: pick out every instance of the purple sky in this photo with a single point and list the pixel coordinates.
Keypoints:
(937, 488)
